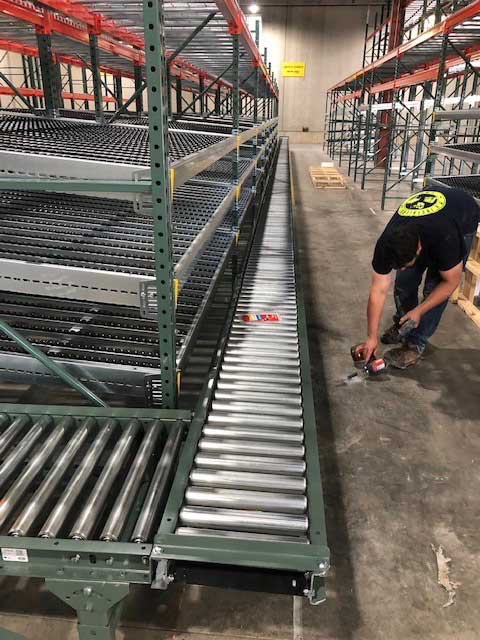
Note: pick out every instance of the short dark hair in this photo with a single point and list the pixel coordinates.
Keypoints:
(401, 243)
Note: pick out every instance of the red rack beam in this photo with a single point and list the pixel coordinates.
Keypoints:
(236, 21)
(445, 26)
(28, 50)
(76, 11)
(28, 93)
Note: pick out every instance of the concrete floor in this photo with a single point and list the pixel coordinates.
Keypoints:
(400, 467)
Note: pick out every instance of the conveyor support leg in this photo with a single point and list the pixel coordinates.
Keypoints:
(97, 604)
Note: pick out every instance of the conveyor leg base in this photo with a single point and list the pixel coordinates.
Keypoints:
(97, 604)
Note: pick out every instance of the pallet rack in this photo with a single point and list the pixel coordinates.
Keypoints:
(380, 119)
(121, 233)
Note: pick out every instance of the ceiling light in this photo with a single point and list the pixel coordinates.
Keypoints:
(253, 8)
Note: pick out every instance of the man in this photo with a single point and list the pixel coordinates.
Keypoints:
(432, 232)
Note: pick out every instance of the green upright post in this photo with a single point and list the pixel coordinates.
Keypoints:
(439, 91)
(33, 84)
(178, 93)
(70, 85)
(138, 80)
(118, 90)
(49, 79)
(97, 84)
(162, 222)
(85, 87)
(201, 87)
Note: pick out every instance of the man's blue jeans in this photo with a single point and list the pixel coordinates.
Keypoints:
(405, 293)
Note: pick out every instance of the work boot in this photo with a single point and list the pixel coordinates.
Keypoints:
(402, 357)
(391, 335)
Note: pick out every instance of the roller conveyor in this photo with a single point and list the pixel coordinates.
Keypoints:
(252, 462)
(85, 478)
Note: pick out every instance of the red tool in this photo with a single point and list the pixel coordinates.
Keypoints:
(373, 367)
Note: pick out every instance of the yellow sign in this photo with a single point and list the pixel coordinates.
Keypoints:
(422, 204)
(293, 69)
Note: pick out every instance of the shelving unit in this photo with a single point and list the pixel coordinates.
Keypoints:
(380, 118)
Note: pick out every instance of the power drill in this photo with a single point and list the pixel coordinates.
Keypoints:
(373, 367)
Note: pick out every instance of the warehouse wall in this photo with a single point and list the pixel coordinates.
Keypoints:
(330, 41)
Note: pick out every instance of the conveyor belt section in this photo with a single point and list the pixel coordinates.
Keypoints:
(118, 145)
(81, 492)
(85, 479)
(252, 495)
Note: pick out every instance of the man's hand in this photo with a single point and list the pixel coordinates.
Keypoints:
(369, 347)
(415, 315)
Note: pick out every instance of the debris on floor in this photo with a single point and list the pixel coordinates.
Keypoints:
(443, 574)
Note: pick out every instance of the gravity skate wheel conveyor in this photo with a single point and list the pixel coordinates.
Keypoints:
(248, 489)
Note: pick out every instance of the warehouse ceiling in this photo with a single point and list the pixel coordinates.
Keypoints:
(309, 3)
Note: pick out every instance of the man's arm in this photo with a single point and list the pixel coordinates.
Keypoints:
(376, 301)
(443, 290)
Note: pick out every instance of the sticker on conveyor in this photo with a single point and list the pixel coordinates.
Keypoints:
(260, 317)
(14, 555)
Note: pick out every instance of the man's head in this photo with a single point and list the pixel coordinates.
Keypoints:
(402, 245)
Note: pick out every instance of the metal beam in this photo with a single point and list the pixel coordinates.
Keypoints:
(161, 211)
(133, 98)
(97, 82)
(187, 41)
(52, 366)
(17, 93)
(137, 73)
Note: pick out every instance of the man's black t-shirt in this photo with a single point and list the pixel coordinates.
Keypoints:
(444, 216)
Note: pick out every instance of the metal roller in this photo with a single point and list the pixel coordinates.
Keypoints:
(245, 395)
(212, 445)
(255, 500)
(158, 486)
(23, 448)
(256, 376)
(13, 431)
(57, 517)
(121, 509)
(252, 433)
(286, 466)
(33, 468)
(238, 406)
(37, 502)
(240, 520)
(241, 535)
(256, 420)
(88, 517)
(245, 386)
(247, 480)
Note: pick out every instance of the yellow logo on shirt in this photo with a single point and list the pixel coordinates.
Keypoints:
(422, 204)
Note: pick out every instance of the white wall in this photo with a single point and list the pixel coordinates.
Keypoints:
(330, 41)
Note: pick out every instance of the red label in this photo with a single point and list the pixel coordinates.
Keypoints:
(260, 317)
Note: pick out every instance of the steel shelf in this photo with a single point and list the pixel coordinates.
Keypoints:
(64, 148)
(423, 50)
(109, 346)
(468, 151)
(469, 183)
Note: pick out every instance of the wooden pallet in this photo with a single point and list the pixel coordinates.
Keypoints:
(327, 178)
(465, 296)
